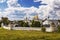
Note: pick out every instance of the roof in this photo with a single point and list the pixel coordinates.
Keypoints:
(46, 22)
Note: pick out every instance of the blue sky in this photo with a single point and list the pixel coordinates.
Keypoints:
(3, 5)
(30, 3)
(18, 9)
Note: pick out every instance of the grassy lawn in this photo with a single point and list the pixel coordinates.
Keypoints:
(27, 35)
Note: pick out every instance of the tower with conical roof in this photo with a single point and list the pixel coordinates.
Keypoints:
(26, 18)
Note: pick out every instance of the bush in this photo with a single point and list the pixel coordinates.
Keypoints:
(26, 25)
(58, 28)
(43, 29)
(21, 23)
(35, 24)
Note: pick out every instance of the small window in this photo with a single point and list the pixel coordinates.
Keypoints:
(47, 25)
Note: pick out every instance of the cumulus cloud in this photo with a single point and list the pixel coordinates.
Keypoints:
(52, 5)
(37, 0)
(56, 9)
(21, 11)
(58, 13)
(13, 3)
(45, 9)
(14, 7)
(1, 1)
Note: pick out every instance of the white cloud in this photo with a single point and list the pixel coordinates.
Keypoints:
(11, 10)
(58, 13)
(45, 9)
(30, 10)
(50, 7)
(1, 1)
(13, 3)
(42, 10)
(37, 0)
(12, 7)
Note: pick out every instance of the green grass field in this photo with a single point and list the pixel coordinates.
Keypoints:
(27, 35)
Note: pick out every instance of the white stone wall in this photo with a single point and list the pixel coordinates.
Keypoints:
(48, 29)
(9, 28)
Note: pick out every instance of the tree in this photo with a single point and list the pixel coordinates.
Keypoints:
(21, 23)
(59, 26)
(43, 29)
(35, 23)
(0, 23)
(26, 24)
(59, 21)
(5, 20)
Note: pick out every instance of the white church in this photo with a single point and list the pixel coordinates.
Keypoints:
(50, 24)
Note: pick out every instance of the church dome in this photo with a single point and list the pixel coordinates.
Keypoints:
(36, 17)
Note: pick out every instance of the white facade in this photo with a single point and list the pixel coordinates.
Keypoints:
(51, 28)
(46, 22)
